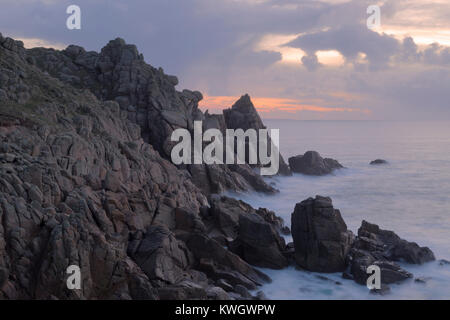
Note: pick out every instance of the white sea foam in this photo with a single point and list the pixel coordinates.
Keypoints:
(410, 195)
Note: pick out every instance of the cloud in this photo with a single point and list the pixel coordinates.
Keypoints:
(300, 50)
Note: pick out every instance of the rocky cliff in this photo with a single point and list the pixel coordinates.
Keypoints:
(85, 180)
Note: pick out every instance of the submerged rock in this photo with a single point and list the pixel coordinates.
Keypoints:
(311, 163)
(444, 262)
(422, 279)
(321, 238)
(378, 161)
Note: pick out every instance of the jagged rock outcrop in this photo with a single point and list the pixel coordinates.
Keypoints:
(392, 246)
(79, 185)
(321, 238)
(311, 163)
(243, 115)
(148, 97)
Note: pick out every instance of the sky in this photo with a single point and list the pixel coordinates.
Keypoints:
(308, 60)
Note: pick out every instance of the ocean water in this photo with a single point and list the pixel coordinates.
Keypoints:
(410, 195)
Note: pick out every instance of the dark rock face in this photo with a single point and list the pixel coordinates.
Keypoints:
(311, 163)
(378, 161)
(321, 238)
(243, 115)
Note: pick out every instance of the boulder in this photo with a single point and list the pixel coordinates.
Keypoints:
(252, 234)
(311, 163)
(259, 243)
(321, 238)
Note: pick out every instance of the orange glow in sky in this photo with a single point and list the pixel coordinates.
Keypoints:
(263, 104)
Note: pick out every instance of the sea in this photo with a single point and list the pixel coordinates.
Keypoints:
(410, 196)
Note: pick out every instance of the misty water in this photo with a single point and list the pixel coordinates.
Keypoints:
(410, 195)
